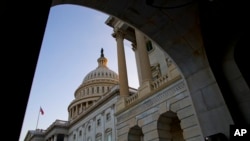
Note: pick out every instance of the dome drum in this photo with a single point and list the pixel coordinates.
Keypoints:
(82, 100)
(90, 90)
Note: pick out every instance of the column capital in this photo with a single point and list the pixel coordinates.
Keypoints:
(118, 34)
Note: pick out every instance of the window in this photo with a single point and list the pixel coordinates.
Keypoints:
(108, 117)
(149, 46)
(109, 137)
(80, 133)
(98, 137)
(99, 122)
(89, 128)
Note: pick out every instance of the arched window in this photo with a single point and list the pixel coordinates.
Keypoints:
(108, 134)
(135, 133)
(98, 137)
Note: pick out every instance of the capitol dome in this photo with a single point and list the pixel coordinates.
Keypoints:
(95, 85)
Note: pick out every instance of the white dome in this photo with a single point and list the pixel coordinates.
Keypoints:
(95, 84)
(102, 72)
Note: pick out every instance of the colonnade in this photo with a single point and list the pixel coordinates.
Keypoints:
(142, 62)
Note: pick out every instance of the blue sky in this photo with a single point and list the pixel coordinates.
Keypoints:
(71, 45)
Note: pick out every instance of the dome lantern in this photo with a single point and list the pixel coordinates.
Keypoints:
(102, 61)
(102, 72)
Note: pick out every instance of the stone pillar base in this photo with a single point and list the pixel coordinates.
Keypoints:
(144, 89)
(120, 104)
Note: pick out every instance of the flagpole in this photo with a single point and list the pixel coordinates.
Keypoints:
(38, 118)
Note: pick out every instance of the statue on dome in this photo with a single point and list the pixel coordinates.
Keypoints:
(102, 55)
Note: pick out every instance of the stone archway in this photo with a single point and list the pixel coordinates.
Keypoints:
(135, 134)
(169, 128)
(178, 32)
(190, 74)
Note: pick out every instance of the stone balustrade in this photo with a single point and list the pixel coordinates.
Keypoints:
(156, 86)
(159, 82)
(132, 98)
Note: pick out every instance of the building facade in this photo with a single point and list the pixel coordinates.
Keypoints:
(162, 108)
(105, 108)
(207, 46)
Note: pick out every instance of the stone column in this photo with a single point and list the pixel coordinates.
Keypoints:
(146, 74)
(87, 104)
(103, 125)
(55, 137)
(77, 109)
(70, 114)
(65, 138)
(113, 122)
(122, 69)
